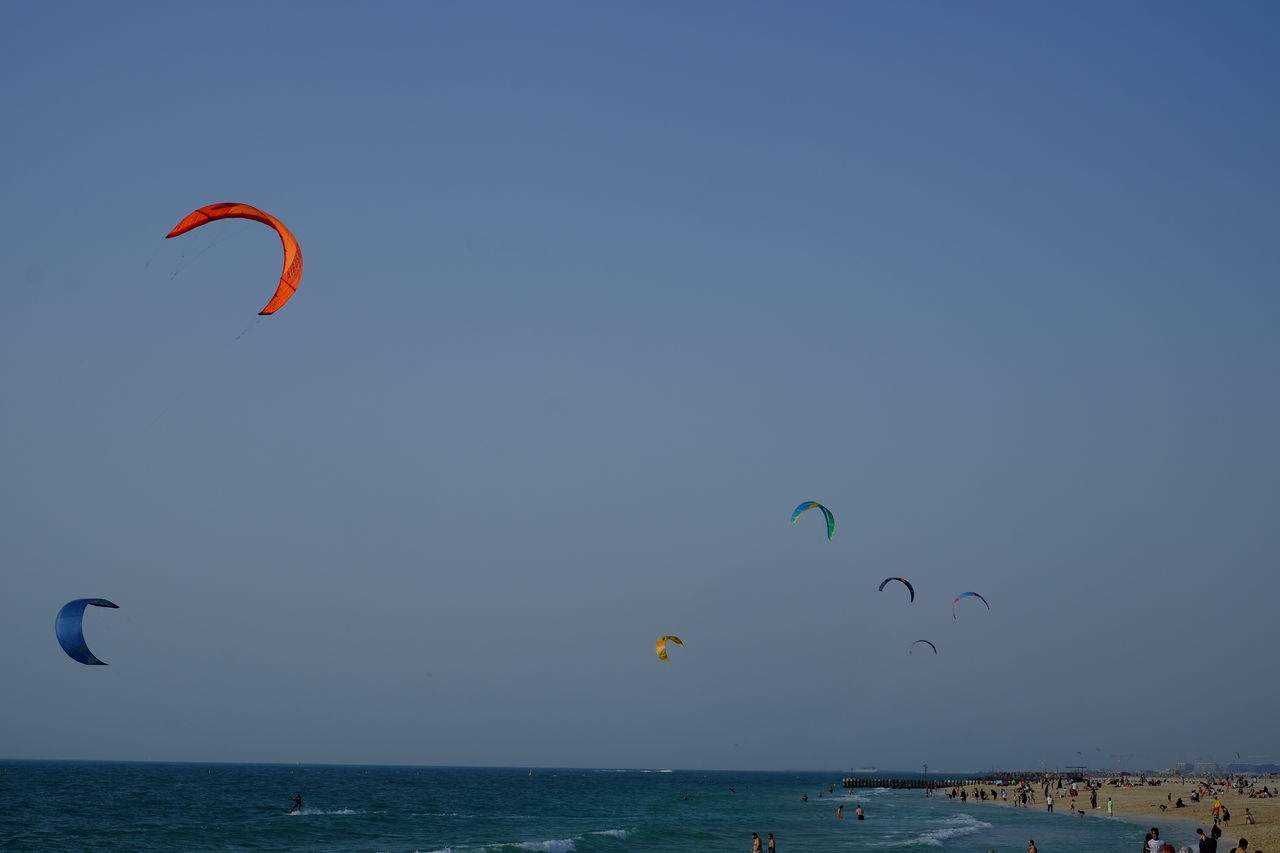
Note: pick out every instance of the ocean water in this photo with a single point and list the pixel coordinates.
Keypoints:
(140, 807)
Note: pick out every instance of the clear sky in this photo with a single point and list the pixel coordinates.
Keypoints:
(595, 294)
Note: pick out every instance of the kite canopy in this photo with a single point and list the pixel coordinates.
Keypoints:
(291, 274)
(661, 646)
(68, 626)
(905, 583)
(831, 519)
(918, 642)
(965, 595)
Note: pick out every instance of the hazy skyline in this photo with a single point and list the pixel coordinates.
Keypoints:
(594, 297)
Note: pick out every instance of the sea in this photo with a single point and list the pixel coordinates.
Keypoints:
(79, 806)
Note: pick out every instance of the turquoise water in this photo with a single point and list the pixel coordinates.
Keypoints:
(102, 806)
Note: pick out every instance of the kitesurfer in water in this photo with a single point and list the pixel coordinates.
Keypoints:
(297, 804)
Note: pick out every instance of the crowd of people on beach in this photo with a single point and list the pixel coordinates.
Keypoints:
(1218, 789)
(1023, 793)
(1207, 843)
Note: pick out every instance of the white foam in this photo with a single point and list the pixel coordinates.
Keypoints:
(554, 845)
(562, 845)
(953, 827)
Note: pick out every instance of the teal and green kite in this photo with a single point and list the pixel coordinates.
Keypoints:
(831, 519)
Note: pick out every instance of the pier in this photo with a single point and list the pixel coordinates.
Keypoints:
(876, 782)
(985, 781)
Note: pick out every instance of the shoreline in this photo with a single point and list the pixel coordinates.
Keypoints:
(1140, 805)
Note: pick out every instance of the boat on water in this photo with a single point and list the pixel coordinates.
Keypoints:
(863, 770)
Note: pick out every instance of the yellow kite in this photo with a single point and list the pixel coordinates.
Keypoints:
(661, 646)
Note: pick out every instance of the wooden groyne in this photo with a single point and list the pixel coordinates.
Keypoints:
(877, 782)
(985, 781)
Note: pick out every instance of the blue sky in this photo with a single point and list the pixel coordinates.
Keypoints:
(596, 294)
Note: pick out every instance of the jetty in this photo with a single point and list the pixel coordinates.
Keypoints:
(878, 782)
(984, 781)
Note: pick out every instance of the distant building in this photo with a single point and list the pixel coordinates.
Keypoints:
(1180, 768)
(1206, 766)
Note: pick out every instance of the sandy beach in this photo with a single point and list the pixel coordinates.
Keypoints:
(1141, 804)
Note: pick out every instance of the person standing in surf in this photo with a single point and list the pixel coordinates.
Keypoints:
(297, 804)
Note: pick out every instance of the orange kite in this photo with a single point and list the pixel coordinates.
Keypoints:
(292, 272)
